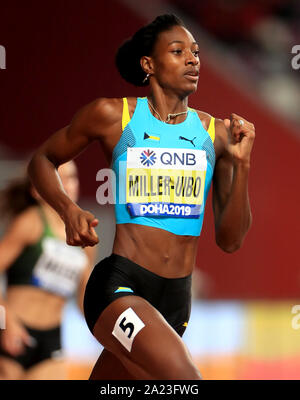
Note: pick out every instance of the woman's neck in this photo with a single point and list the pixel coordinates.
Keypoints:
(163, 105)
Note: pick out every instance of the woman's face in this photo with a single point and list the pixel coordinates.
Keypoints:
(69, 178)
(176, 61)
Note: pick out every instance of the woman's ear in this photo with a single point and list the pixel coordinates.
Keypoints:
(147, 65)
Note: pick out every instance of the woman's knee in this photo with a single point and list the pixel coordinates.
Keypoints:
(179, 369)
(173, 362)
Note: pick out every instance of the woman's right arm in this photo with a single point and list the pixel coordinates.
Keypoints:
(11, 245)
(96, 121)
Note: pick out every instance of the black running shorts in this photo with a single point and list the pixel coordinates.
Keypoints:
(117, 276)
(46, 344)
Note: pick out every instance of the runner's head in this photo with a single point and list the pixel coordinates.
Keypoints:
(20, 194)
(16, 197)
(166, 51)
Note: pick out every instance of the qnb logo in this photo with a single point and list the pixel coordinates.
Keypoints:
(2, 57)
(148, 157)
(168, 158)
(2, 317)
(296, 60)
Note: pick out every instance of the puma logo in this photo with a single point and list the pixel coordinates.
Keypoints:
(189, 140)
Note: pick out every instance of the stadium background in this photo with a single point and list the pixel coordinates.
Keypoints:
(60, 56)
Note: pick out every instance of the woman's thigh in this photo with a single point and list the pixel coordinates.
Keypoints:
(10, 369)
(47, 370)
(139, 336)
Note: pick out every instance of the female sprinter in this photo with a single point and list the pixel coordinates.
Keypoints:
(42, 272)
(137, 300)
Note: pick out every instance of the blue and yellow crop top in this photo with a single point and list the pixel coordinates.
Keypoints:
(163, 171)
(50, 264)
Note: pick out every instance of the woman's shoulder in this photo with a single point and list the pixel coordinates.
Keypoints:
(220, 135)
(109, 104)
(106, 111)
(108, 107)
(206, 119)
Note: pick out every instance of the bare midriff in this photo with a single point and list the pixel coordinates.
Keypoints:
(35, 307)
(159, 251)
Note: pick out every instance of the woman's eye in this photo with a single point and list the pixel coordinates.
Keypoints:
(196, 53)
(176, 51)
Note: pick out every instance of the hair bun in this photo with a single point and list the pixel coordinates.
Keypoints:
(128, 63)
(129, 54)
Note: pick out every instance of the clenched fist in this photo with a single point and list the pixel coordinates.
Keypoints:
(80, 226)
(241, 134)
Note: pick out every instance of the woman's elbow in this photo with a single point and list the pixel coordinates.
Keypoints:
(229, 247)
(229, 243)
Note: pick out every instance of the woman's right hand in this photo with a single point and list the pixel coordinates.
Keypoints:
(80, 226)
(14, 337)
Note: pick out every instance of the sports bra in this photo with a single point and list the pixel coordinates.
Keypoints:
(49, 264)
(163, 171)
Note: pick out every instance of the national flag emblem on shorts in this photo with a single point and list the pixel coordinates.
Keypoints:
(123, 289)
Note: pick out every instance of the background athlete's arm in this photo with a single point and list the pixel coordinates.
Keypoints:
(230, 185)
(92, 122)
(19, 234)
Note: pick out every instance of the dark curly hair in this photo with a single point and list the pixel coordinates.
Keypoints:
(16, 197)
(142, 44)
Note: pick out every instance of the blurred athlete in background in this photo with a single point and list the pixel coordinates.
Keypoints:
(42, 272)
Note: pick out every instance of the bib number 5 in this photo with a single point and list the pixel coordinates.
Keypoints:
(127, 327)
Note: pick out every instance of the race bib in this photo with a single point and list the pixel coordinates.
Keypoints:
(59, 267)
(164, 182)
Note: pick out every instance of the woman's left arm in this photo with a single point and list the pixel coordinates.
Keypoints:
(234, 141)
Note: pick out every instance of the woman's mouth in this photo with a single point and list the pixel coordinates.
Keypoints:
(192, 77)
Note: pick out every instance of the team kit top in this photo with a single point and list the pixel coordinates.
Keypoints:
(50, 264)
(163, 171)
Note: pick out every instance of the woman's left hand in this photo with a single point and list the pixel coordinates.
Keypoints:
(241, 134)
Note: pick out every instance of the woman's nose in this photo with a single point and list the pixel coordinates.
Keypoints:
(192, 59)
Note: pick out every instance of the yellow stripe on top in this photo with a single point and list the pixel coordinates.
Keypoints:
(125, 114)
(211, 129)
(154, 137)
